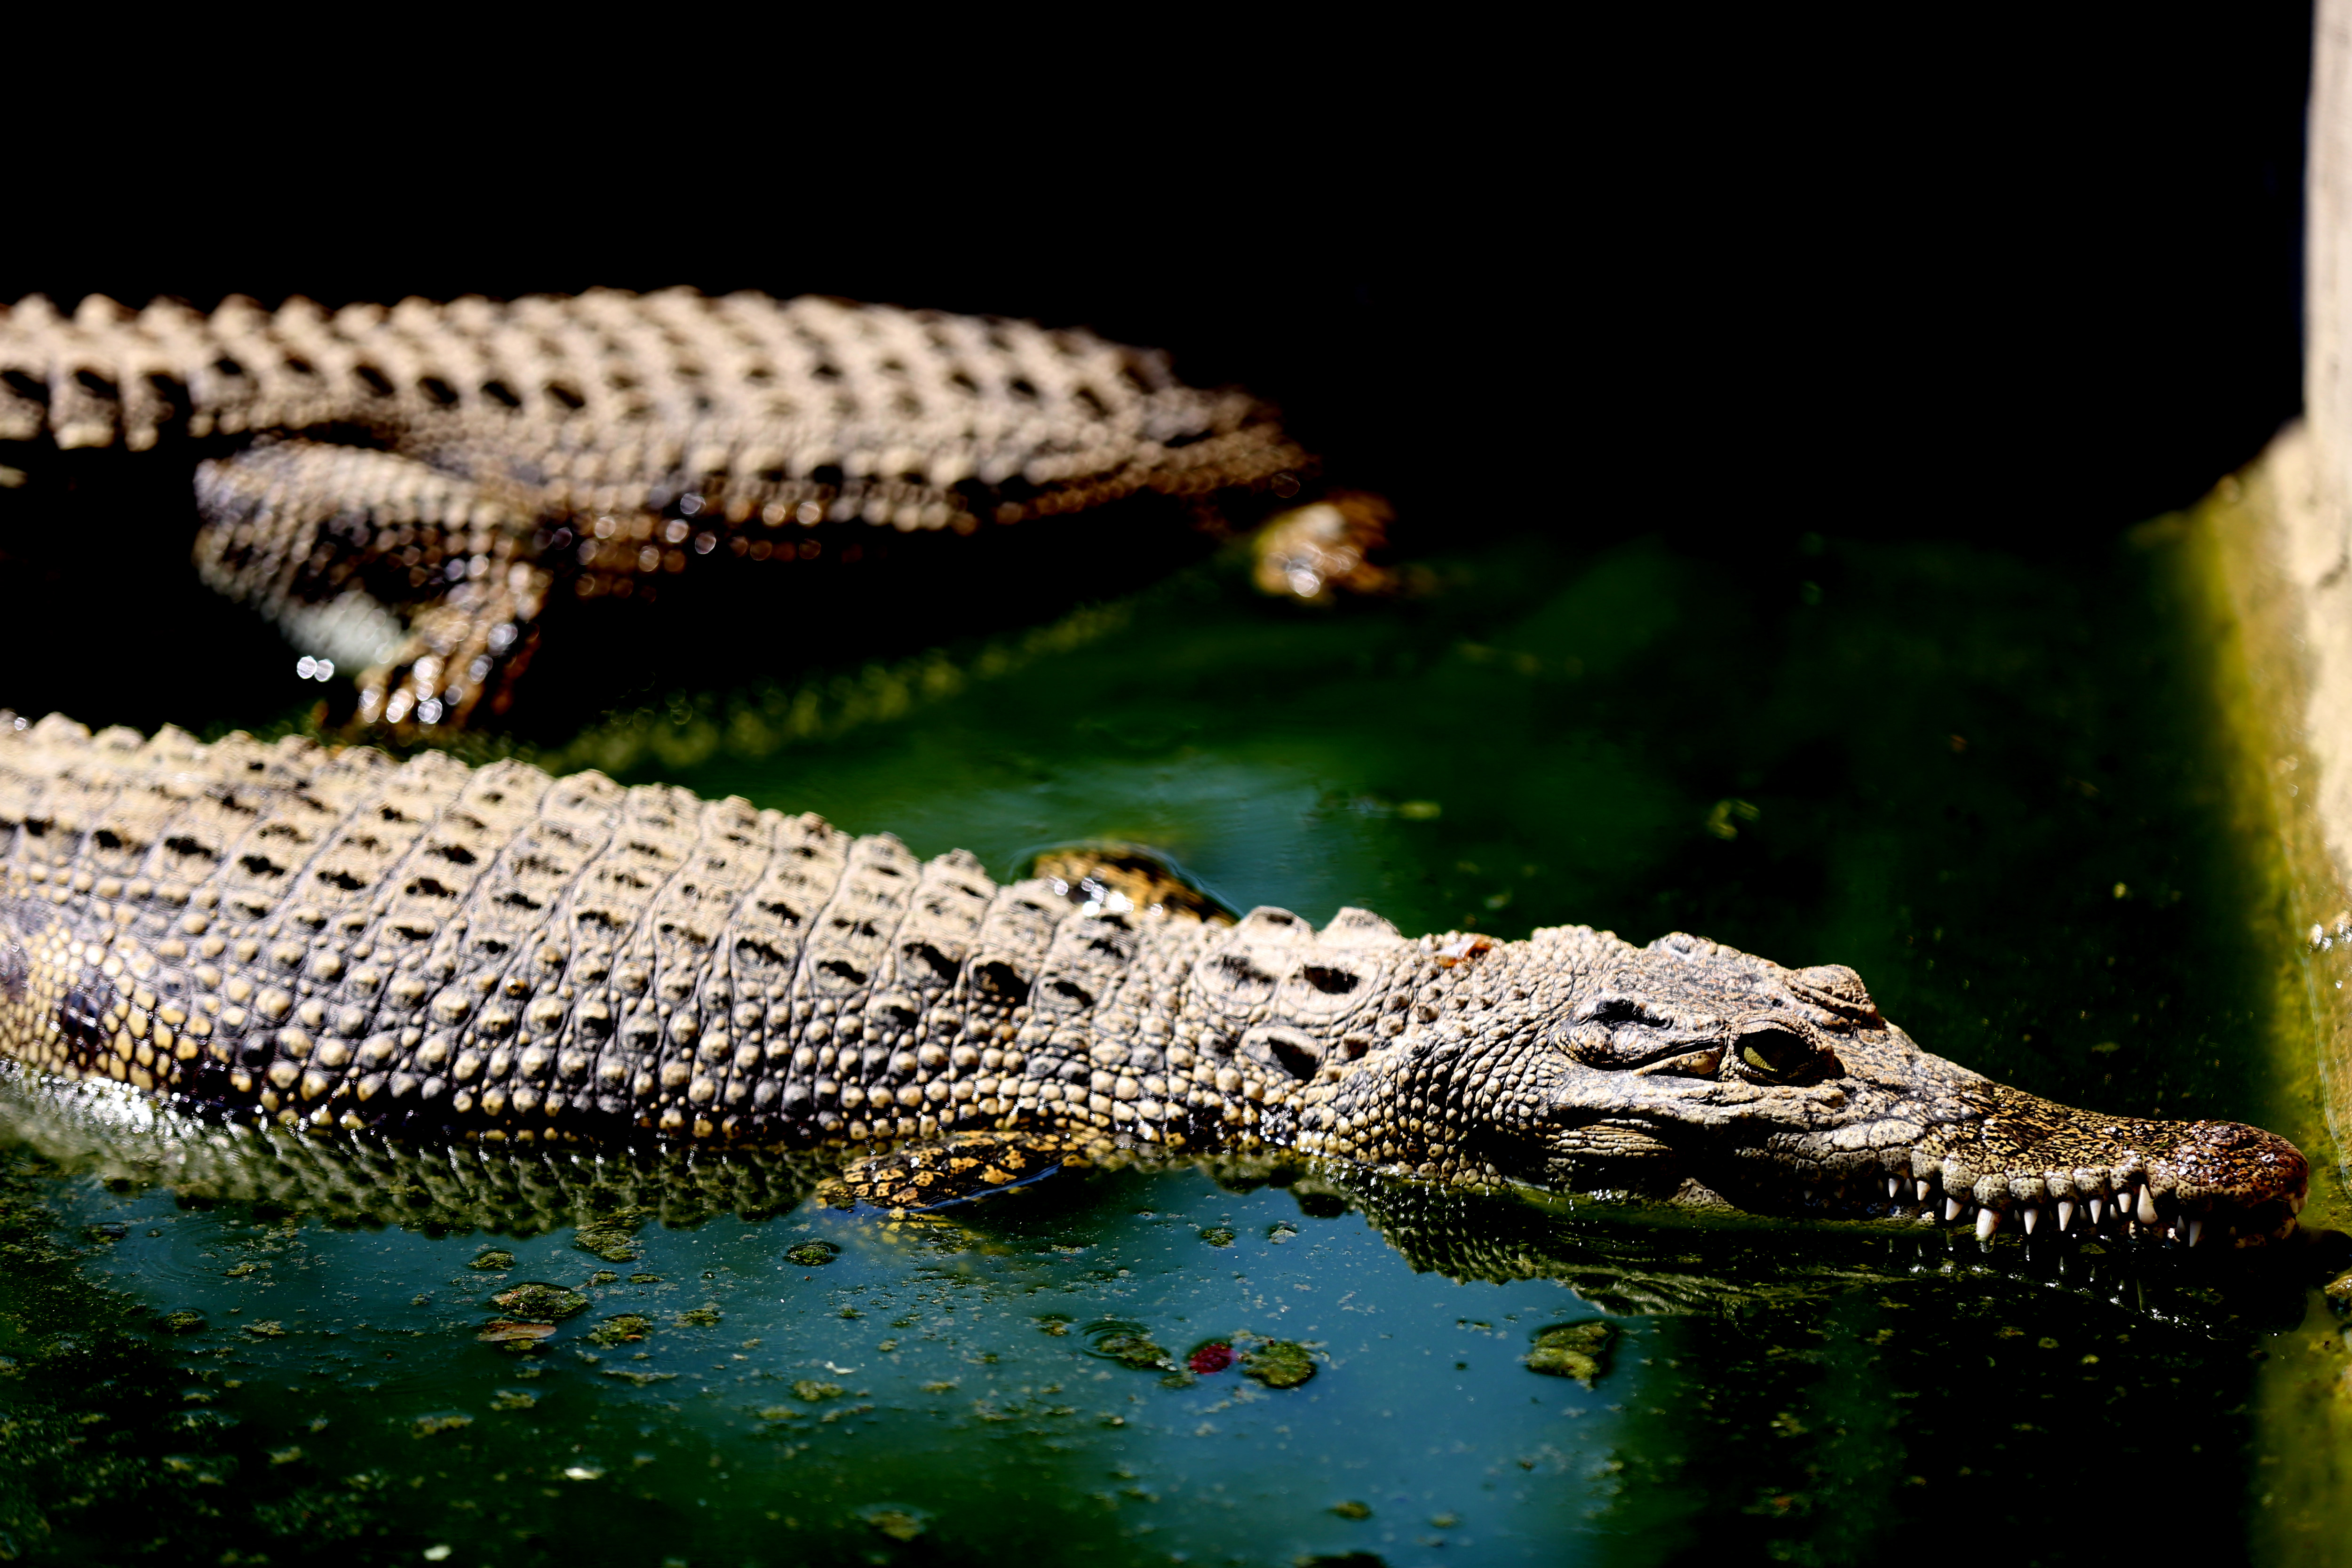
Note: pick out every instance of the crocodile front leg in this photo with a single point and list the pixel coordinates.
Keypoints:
(421, 583)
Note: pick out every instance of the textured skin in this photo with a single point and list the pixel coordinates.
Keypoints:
(330, 938)
(402, 490)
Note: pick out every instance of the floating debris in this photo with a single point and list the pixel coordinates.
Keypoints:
(180, 1322)
(812, 1254)
(199, 1421)
(496, 1257)
(1279, 1364)
(1211, 1356)
(506, 1330)
(627, 1328)
(1352, 1509)
(432, 1426)
(613, 1241)
(705, 1316)
(1218, 1235)
(813, 1392)
(268, 1329)
(1579, 1351)
(540, 1302)
(896, 1523)
(638, 1379)
(1129, 1344)
(212, 1470)
(513, 1399)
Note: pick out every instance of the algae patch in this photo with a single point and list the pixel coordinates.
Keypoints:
(626, 1328)
(1129, 1344)
(540, 1302)
(1579, 1351)
(897, 1523)
(613, 1241)
(1279, 1364)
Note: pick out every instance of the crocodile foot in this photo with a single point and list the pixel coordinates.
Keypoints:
(957, 1169)
(1120, 878)
(1314, 551)
(462, 655)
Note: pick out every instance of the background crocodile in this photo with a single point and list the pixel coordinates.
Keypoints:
(331, 939)
(408, 492)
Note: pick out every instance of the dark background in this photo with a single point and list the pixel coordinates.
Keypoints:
(1995, 275)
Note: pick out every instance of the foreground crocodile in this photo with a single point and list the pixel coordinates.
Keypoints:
(408, 492)
(333, 938)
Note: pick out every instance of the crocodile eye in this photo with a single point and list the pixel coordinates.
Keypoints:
(1774, 1053)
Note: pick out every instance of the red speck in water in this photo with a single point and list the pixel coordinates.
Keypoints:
(1214, 1356)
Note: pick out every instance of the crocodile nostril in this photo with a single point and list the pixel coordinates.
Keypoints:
(1606, 1010)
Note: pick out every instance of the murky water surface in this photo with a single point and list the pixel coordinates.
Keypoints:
(1994, 785)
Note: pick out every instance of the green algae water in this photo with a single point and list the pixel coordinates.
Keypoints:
(1998, 785)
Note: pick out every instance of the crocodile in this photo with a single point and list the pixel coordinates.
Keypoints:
(410, 493)
(324, 939)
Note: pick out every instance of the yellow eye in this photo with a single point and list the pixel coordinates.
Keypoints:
(1774, 1052)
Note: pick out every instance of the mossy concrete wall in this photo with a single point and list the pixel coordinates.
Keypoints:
(2283, 561)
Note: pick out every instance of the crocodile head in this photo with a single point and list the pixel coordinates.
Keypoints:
(1689, 1068)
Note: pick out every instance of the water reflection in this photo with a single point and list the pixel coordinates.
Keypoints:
(723, 1369)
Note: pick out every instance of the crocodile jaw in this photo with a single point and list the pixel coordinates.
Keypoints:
(1893, 1131)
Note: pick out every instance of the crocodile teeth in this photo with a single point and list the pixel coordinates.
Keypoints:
(2066, 1212)
(2195, 1231)
(2147, 1206)
(1893, 1185)
(2033, 1217)
(1951, 1210)
(1988, 1221)
(1923, 1190)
